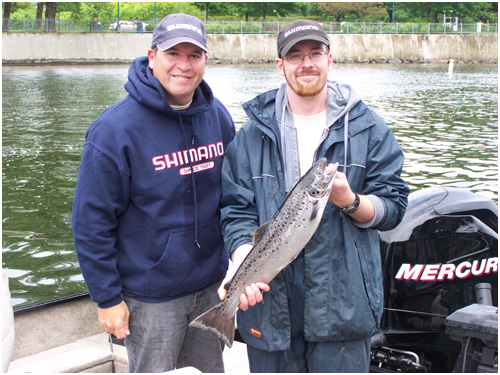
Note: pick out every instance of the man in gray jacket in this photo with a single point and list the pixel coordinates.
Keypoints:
(320, 312)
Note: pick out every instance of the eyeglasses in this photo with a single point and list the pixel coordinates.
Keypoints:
(297, 58)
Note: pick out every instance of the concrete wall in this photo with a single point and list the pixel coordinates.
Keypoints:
(113, 47)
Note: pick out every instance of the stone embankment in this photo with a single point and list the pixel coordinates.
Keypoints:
(377, 60)
(100, 48)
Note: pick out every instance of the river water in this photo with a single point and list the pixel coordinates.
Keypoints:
(446, 125)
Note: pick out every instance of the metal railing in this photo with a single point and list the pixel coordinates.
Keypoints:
(223, 27)
(355, 28)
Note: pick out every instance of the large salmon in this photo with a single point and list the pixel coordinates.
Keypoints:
(276, 244)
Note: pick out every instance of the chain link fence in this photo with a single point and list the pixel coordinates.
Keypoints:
(68, 26)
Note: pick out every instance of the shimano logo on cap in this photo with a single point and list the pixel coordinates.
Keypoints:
(301, 28)
(184, 26)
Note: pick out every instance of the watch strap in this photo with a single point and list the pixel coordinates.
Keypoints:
(353, 207)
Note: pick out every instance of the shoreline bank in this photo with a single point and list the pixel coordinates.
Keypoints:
(49, 48)
(33, 62)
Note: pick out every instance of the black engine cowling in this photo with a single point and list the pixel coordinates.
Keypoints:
(446, 244)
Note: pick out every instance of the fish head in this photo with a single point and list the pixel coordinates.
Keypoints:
(320, 178)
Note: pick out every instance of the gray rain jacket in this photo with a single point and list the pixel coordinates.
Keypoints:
(343, 276)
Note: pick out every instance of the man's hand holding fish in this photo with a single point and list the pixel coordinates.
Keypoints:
(342, 196)
(253, 294)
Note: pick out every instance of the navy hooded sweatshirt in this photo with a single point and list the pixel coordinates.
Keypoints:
(144, 224)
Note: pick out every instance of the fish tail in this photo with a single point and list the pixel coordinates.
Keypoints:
(217, 320)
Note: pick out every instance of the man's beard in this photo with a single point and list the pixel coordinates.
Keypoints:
(307, 90)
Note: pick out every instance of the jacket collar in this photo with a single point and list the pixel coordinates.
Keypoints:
(261, 109)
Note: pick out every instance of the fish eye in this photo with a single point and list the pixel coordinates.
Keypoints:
(319, 173)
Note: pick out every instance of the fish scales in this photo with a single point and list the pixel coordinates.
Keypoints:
(278, 235)
(276, 244)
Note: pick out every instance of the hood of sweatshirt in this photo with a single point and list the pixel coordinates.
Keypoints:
(145, 88)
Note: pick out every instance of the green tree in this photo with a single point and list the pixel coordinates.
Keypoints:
(215, 9)
(6, 15)
(388, 7)
(147, 10)
(336, 10)
(290, 9)
(476, 12)
(50, 16)
(263, 10)
(39, 16)
(432, 12)
(253, 9)
(467, 12)
(311, 10)
(19, 10)
(362, 9)
(87, 10)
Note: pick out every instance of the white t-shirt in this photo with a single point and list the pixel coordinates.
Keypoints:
(309, 132)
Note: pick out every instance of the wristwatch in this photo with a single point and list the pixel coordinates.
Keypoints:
(353, 207)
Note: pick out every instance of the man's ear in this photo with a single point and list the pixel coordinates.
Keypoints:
(151, 56)
(279, 66)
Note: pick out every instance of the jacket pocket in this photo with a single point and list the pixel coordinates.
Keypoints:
(184, 267)
(369, 262)
(268, 195)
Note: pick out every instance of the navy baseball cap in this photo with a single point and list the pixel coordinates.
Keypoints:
(298, 31)
(179, 28)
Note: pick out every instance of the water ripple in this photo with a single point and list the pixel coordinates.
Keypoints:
(447, 128)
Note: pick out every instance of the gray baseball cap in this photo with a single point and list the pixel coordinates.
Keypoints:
(298, 31)
(179, 28)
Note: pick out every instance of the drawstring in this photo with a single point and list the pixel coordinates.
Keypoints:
(192, 181)
(346, 140)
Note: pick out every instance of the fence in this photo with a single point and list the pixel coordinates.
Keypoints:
(68, 26)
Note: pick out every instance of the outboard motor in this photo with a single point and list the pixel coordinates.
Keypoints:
(439, 260)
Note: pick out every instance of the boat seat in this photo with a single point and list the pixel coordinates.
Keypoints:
(91, 354)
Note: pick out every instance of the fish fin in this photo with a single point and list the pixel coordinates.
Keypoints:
(217, 321)
(258, 233)
(315, 211)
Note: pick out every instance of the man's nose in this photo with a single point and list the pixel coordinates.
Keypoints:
(306, 60)
(183, 62)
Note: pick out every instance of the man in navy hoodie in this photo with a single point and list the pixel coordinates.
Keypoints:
(145, 215)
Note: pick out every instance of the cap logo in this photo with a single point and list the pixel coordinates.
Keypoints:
(301, 28)
(184, 26)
